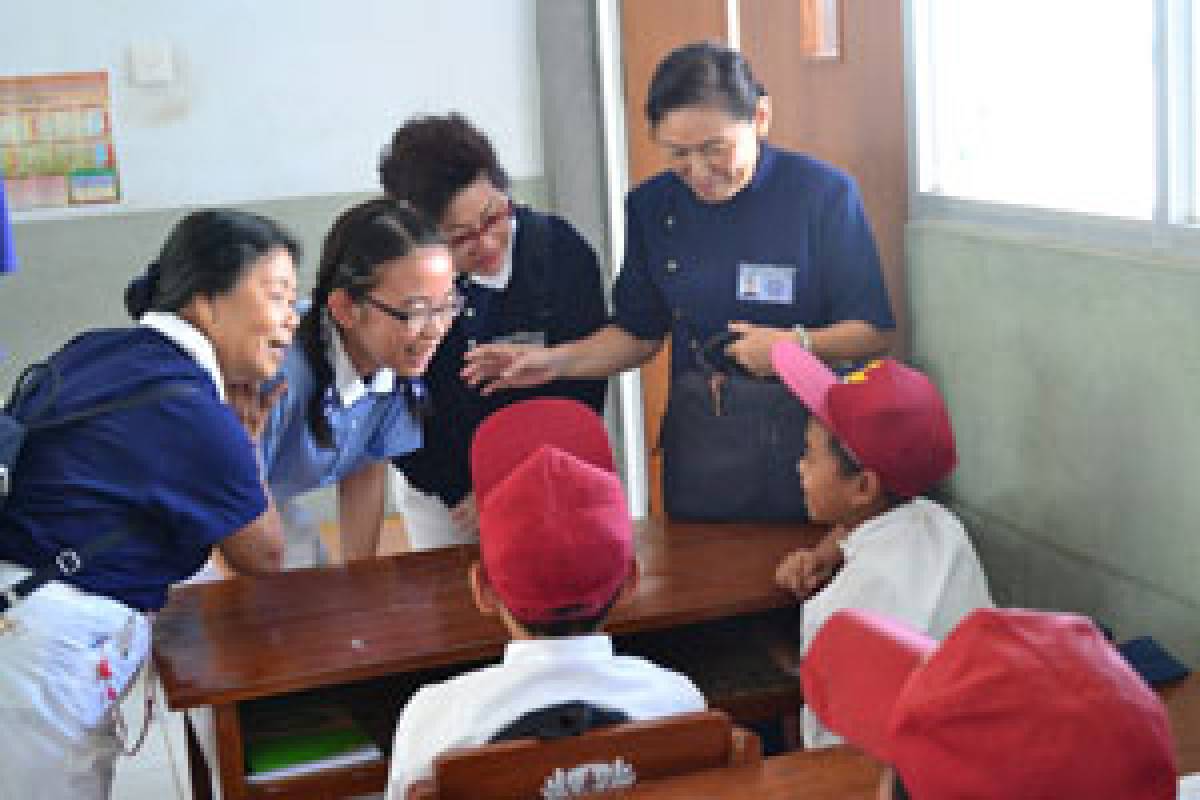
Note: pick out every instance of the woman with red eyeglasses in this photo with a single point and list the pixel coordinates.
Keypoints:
(527, 277)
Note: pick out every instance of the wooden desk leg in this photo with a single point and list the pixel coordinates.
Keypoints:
(197, 765)
(229, 752)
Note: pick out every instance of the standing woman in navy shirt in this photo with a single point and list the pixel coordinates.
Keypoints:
(527, 278)
(351, 391)
(737, 235)
(177, 473)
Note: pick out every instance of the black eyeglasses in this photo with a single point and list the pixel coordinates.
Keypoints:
(419, 317)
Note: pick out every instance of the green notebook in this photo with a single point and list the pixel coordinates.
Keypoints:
(301, 733)
(288, 750)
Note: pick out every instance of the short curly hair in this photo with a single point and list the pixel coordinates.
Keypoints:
(432, 158)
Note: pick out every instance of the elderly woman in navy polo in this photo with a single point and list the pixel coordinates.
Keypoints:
(736, 235)
(177, 474)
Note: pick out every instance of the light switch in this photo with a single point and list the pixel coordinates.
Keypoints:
(151, 64)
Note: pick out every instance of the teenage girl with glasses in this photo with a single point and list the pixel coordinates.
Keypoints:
(350, 391)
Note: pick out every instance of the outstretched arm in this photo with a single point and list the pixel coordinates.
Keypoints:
(606, 352)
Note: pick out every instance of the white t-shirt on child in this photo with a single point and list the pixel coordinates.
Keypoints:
(913, 563)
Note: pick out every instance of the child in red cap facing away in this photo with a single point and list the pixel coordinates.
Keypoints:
(1013, 705)
(876, 441)
(556, 543)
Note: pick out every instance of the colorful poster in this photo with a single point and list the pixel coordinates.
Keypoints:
(56, 146)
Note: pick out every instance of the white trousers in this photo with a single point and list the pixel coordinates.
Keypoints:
(68, 655)
(427, 521)
(302, 545)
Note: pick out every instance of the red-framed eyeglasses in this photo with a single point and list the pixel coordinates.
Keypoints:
(487, 224)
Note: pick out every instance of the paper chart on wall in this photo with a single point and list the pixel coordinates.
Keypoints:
(56, 147)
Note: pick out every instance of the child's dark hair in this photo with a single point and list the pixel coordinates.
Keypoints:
(206, 253)
(571, 625)
(848, 466)
(361, 240)
(703, 74)
(430, 159)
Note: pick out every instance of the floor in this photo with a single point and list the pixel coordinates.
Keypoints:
(160, 771)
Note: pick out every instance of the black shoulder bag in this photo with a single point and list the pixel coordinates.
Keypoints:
(21, 417)
(730, 443)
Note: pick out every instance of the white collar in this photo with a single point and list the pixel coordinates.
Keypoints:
(500, 280)
(349, 384)
(190, 340)
(590, 645)
(918, 510)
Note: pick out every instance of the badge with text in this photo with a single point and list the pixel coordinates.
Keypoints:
(522, 337)
(766, 283)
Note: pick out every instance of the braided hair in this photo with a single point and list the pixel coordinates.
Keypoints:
(361, 240)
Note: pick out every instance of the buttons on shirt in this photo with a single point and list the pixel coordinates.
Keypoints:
(672, 265)
(468, 312)
(669, 222)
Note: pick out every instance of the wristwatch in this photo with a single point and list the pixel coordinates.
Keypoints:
(803, 336)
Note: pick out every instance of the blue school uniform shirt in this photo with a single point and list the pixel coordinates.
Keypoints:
(178, 473)
(371, 421)
(8, 259)
(792, 248)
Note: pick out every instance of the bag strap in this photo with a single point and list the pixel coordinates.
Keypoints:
(69, 561)
(66, 563)
(165, 389)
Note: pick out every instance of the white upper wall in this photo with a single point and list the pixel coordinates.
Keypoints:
(281, 98)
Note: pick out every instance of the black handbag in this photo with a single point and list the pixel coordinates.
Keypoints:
(730, 443)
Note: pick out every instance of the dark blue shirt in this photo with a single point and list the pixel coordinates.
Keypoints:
(555, 295)
(178, 473)
(792, 248)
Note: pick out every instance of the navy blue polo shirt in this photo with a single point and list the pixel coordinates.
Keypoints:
(792, 248)
(555, 295)
(178, 473)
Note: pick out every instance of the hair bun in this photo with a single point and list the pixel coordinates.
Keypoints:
(139, 294)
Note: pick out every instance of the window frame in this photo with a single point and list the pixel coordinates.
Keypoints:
(1173, 231)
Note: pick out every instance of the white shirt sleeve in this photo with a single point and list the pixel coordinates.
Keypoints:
(415, 744)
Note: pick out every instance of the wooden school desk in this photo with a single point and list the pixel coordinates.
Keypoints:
(1182, 700)
(838, 773)
(223, 644)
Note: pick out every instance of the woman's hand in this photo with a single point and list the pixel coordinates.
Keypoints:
(752, 348)
(494, 367)
(252, 406)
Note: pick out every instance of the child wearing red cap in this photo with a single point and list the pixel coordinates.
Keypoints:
(556, 547)
(877, 439)
(1013, 705)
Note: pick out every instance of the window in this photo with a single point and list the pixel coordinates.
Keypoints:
(1054, 105)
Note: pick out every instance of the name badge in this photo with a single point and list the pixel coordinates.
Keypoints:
(522, 337)
(766, 283)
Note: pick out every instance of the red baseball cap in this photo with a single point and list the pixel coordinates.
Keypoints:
(1014, 704)
(890, 417)
(554, 530)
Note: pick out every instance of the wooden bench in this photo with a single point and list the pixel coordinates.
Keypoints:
(604, 759)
